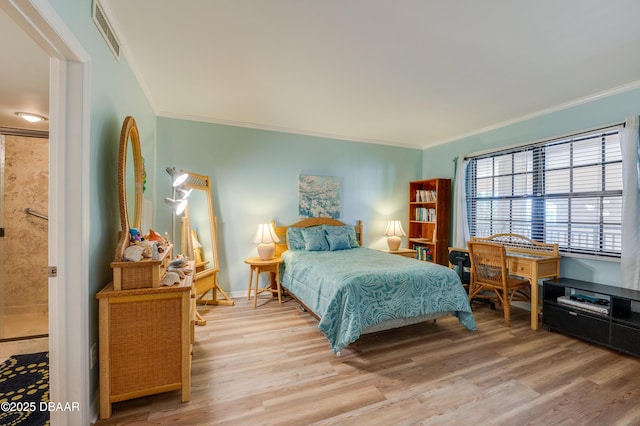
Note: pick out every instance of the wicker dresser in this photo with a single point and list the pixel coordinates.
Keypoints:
(145, 342)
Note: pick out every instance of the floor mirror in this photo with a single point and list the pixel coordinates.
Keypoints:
(199, 241)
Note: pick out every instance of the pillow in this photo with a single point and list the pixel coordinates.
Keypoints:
(338, 241)
(295, 240)
(343, 230)
(314, 239)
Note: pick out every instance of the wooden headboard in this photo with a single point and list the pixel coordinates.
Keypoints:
(281, 231)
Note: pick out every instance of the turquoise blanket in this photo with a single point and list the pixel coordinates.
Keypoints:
(351, 290)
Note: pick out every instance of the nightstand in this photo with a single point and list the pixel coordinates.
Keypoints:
(401, 251)
(259, 266)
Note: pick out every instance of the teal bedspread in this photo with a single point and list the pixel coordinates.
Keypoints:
(351, 290)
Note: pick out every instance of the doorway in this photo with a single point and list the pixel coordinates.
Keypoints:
(68, 234)
(24, 178)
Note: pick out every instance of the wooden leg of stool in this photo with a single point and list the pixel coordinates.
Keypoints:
(250, 279)
(279, 289)
(255, 289)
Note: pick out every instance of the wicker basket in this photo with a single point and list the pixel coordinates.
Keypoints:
(143, 274)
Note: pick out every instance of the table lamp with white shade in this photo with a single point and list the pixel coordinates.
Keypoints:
(393, 232)
(265, 237)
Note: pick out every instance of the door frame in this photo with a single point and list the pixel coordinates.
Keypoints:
(4, 133)
(69, 139)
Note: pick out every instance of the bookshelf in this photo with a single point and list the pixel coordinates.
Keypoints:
(429, 219)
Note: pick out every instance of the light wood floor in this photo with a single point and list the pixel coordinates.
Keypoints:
(272, 366)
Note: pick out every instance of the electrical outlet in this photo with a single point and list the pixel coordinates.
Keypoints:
(94, 355)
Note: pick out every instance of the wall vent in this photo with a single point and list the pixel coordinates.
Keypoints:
(101, 21)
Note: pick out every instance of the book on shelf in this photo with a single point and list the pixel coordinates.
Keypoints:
(424, 214)
(425, 196)
(423, 253)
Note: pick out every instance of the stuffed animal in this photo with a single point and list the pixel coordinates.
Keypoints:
(177, 263)
(154, 236)
(135, 237)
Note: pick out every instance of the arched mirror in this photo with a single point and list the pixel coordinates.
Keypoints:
(199, 241)
(130, 182)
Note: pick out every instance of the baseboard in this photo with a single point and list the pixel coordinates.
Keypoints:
(94, 413)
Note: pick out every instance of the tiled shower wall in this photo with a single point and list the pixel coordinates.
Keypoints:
(25, 244)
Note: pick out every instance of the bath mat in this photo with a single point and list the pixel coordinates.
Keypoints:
(24, 390)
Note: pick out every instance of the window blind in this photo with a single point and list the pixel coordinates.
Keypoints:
(566, 191)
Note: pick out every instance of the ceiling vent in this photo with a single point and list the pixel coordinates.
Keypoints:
(100, 18)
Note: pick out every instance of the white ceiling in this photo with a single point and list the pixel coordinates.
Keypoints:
(24, 77)
(411, 73)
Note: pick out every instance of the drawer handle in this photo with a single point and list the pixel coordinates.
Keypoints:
(573, 313)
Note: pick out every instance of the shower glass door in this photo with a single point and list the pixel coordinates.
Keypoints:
(24, 183)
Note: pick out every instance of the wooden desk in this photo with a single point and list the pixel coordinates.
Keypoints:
(530, 260)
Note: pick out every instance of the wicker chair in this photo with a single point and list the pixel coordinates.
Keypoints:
(489, 272)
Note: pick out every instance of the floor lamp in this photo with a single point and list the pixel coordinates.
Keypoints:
(178, 205)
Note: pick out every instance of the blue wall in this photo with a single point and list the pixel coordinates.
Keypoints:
(438, 161)
(254, 176)
(114, 94)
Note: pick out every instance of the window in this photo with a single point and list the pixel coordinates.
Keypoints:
(565, 191)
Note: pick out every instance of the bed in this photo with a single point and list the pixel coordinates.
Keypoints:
(353, 290)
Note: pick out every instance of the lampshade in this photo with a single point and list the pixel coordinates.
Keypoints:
(394, 227)
(266, 234)
(178, 205)
(195, 242)
(265, 237)
(184, 193)
(393, 232)
(177, 177)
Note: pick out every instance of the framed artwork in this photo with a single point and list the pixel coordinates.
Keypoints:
(319, 196)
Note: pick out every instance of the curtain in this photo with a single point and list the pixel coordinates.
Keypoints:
(460, 223)
(630, 262)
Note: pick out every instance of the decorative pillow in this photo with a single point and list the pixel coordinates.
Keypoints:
(338, 241)
(295, 240)
(343, 230)
(314, 239)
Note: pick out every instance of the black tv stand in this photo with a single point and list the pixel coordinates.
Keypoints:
(617, 328)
